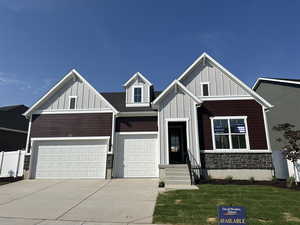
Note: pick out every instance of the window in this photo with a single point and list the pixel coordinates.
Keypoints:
(205, 89)
(137, 94)
(229, 133)
(72, 103)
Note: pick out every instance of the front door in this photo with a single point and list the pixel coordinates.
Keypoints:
(177, 143)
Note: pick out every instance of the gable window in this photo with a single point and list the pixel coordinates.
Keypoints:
(205, 89)
(72, 102)
(137, 94)
(230, 133)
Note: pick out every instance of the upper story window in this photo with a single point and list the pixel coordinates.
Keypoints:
(137, 94)
(230, 133)
(72, 102)
(205, 89)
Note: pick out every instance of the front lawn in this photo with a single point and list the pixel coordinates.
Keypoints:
(264, 204)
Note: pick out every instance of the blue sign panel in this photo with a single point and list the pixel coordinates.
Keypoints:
(231, 215)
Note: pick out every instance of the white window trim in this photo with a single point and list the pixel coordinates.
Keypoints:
(236, 151)
(137, 133)
(186, 120)
(70, 97)
(201, 83)
(137, 104)
(229, 133)
(142, 93)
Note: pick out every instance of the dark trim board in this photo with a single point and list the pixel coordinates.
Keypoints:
(71, 125)
(249, 108)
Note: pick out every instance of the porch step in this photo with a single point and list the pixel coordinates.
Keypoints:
(178, 182)
(177, 175)
(183, 178)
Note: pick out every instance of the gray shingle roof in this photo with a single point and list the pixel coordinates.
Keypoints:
(117, 99)
(11, 117)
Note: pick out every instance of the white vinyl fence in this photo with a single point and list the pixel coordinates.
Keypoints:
(294, 170)
(12, 163)
(284, 168)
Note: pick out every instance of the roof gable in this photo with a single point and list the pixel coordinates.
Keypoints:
(204, 57)
(176, 84)
(138, 74)
(53, 94)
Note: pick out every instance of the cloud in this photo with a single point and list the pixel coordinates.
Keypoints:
(7, 79)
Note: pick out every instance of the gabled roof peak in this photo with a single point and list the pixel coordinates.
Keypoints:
(204, 56)
(138, 74)
(68, 76)
(181, 86)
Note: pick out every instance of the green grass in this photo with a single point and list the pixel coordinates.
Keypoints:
(264, 204)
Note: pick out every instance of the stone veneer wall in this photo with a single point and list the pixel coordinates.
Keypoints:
(236, 160)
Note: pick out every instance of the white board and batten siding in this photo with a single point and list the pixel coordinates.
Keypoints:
(12, 163)
(219, 83)
(87, 98)
(145, 89)
(178, 105)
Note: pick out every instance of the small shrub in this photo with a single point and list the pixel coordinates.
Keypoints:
(252, 180)
(161, 184)
(274, 179)
(291, 182)
(229, 179)
(209, 178)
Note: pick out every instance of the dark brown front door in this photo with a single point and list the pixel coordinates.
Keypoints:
(177, 142)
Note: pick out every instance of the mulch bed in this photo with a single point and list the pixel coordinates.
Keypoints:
(10, 179)
(277, 183)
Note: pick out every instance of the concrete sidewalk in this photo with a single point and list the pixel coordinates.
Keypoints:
(68, 202)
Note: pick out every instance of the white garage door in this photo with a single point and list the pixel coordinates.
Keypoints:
(136, 156)
(70, 159)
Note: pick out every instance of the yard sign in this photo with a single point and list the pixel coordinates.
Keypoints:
(231, 215)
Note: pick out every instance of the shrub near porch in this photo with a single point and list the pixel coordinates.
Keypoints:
(264, 204)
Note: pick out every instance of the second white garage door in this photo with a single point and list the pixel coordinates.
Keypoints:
(69, 159)
(136, 155)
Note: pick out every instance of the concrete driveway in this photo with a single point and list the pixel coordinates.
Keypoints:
(69, 202)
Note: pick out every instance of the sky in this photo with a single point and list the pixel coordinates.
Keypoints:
(108, 41)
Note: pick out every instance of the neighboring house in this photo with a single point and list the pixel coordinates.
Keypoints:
(13, 128)
(207, 118)
(284, 94)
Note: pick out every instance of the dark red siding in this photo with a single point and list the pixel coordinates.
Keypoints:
(143, 123)
(71, 125)
(12, 141)
(249, 108)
